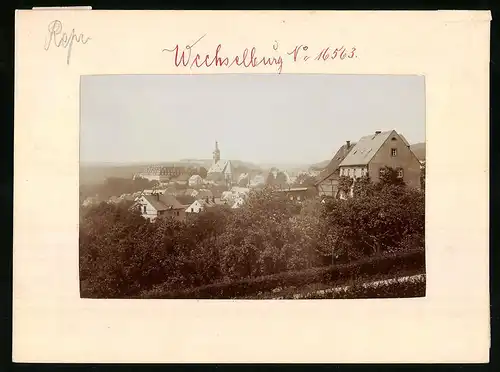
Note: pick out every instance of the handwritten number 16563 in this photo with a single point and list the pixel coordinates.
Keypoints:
(341, 53)
(325, 54)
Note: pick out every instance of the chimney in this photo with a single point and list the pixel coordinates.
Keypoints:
(377, 132)
(348, 143)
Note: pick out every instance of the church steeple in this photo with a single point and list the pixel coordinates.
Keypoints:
(216, 153)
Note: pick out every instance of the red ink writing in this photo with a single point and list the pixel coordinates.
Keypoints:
(341, 53)
(248, 58)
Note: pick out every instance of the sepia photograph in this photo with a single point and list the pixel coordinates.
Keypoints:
(252, 186)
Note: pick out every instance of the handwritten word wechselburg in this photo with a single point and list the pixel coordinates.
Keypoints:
(59, 39)
(249, 57)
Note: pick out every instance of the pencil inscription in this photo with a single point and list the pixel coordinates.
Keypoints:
(58, 38)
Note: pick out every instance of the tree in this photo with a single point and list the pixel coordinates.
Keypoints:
(363, 187)
(270, 180)
(305, 180)
(281, 180)
(390, 176)
(202, 171)
(345, 184)
(422, 177)
(372, 224)
(115, 186)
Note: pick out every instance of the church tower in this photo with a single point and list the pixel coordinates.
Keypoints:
(216, 153)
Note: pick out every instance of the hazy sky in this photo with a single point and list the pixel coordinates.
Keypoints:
(256, 118)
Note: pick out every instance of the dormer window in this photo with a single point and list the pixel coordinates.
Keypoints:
(394, 152)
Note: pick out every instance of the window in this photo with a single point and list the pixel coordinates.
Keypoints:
(177, 213)
(400, 173)
(144, 209)
(192, 209)
(381, 172)
(393, 139)
(394, 152)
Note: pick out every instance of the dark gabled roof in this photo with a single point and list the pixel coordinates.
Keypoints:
(334, 164)
(163, 202)
(366, 148)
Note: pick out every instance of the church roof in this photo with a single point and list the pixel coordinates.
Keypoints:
(222, 166)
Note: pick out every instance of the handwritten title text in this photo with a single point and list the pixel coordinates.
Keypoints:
(251, 57)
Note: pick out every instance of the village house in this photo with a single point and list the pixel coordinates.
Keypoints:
(114, 200)
(226, 196)
(91, 200)
(201, 205)
(257, 181)
(204, 193)
(191, 192)
(328, 180)
(297, 193)
(240, 191)
(374, 152)
(238, 202)
(244, 179)
(156, 205)
(160, 173)
(195, 180)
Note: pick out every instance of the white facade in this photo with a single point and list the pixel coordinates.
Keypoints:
(195, 180)
(240, 191)
(258, 180)
(147, 210)
(238, 202)
(354, 172)
(196, 207)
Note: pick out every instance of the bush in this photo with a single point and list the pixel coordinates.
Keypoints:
(393, 289)
(261, 245)
(388, 264)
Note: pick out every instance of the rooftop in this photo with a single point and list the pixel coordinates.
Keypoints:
(366, 148)
(162, 202)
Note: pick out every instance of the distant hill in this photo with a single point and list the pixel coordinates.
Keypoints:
(91, 174)
(95, 173)
(419, 150)
(320, 165)
(208, 162)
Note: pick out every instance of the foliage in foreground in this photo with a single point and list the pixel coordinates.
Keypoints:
(390, 265)
(394, 289)
(123, 255)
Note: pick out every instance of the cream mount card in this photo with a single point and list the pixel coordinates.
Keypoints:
(61, 53)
